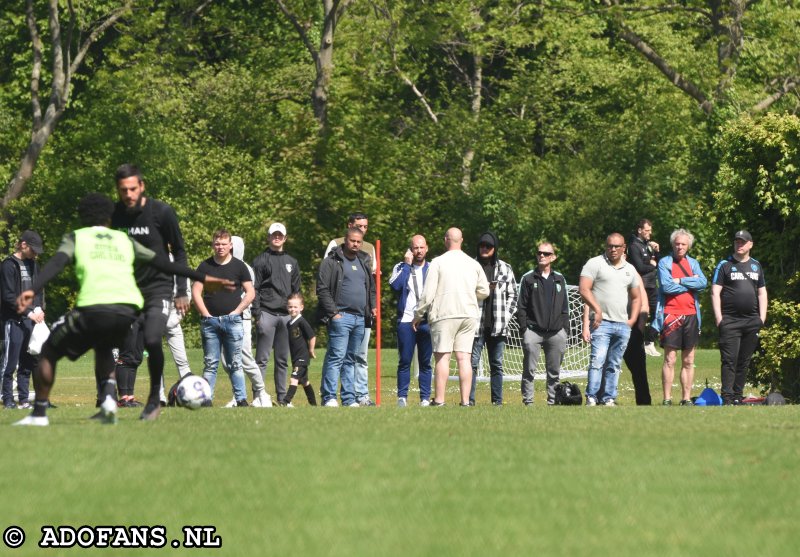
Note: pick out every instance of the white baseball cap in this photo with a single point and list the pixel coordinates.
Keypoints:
(276, 227)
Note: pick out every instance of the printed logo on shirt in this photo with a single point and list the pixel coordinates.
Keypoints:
(288, 267)
(139, 231)
(753, 267)
(558, 287)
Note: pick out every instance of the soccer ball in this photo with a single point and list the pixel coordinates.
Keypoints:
(193, 391)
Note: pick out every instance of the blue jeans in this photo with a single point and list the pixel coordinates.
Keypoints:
(344, 341)
(362, 368)
(609, 341)
(407, 340)
(495, 346)
(223, 333)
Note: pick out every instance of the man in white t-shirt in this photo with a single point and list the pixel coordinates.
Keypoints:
(609, 285)
(407, 280)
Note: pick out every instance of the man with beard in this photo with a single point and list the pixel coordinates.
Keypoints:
(153, 224)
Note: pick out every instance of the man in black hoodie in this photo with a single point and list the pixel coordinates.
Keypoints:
(17, 273)
(543, 317)
(496, 312)
(643, 255)
(277, 276)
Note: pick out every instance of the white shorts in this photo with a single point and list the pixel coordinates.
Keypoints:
(453, 335)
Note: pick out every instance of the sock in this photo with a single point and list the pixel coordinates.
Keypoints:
(40, 408)
(155, 365)
(109, 389)
(290, 394)
(312, 397)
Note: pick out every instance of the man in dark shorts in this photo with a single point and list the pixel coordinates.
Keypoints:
(739, 299)
(301, 346)
(680, 279)
(107, 304)
(154, 225)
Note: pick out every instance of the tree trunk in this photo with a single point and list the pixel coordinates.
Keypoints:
(476, 85)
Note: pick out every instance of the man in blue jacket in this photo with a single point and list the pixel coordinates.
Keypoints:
(408, 279)
(680, 279)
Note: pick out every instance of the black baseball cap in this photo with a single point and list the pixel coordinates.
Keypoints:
(743, 235)
(33, 240)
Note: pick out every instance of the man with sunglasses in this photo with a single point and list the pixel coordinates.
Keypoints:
(609, 285)
(680, 280)
(543, 318)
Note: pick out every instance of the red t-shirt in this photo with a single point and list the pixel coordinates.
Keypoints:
(680, 304)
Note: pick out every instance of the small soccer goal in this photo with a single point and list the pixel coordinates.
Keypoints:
(576, 358)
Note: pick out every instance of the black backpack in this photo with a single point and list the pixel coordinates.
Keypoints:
(568, 394)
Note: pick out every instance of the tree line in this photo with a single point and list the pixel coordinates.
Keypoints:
(559, 120)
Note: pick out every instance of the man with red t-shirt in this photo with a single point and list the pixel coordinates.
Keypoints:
(680, 279)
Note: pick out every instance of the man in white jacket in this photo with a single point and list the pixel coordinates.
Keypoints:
(455, 285)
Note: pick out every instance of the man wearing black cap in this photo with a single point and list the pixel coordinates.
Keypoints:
(496, 312)
(17, 273)
(739, 299)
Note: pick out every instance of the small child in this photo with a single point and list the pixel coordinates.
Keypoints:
(301, 346)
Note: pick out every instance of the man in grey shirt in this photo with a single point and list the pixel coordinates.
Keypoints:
(607, 284)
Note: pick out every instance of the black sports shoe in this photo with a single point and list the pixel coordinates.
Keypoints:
(434, 403)
(151, 411)
(243, 402)
(207, 404)
(687, 403)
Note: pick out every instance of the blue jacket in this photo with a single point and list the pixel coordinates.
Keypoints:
(399, 283)
(693, 284)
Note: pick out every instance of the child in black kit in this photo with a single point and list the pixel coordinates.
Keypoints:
(301, 346)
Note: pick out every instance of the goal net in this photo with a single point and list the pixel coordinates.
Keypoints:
(576, 358)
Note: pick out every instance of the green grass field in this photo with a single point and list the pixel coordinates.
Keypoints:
(414, 481)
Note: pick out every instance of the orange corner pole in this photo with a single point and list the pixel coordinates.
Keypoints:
(378, 323)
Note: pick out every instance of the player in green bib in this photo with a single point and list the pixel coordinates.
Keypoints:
(108, 302)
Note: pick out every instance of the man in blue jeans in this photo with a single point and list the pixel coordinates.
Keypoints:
(494, 316)
(608, 284)
(346, 295)
(408, 280)
(221, 314)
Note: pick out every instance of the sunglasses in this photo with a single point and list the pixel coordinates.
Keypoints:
(615, 246)
(544, 253)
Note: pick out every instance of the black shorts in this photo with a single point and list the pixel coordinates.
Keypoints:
(101, 327)
(680, 332)
(300, 373)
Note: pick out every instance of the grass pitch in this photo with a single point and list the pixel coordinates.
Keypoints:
(414, 481)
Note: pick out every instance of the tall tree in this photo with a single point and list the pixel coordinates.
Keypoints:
(68, 48)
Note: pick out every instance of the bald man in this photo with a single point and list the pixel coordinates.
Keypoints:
(455, 285)
(408, 280)
(609, 285)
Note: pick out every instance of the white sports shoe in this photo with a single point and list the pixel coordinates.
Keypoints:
(109, 410)
(265, 399)
(610, 402)
(401, 402)
(354, 405)
(289, 405)
(332, 403)
(650, 350)
(33, 420)
(591, 401)
(425, 402)
(231, 404)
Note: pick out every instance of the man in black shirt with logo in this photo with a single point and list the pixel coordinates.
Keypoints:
(154, 225)
(739, 299)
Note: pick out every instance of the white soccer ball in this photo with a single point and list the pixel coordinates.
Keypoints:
(193, 391)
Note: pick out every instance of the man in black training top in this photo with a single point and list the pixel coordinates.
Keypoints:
(154, 225)
(107, 304)
(739, 299)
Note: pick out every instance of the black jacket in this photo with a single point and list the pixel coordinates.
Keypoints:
(277, 275)
(329, 283)
(538, 313)
(11, 286)
(639, 255)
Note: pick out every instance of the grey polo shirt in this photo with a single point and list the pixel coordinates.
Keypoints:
(611, 285)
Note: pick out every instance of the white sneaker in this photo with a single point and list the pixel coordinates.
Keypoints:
(591, 401)
(610, 402)
(288, 405)
(354, 405)
(33, 420)
(650, 350)
(425, 402)
(231, 404)
(265, 400)
(109, 410)
(401, 402)
(332, 403)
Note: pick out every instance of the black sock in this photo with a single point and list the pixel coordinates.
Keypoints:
(155, 365)
(109, 389)
(310, 394)
(290, 394)
(40, 408)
